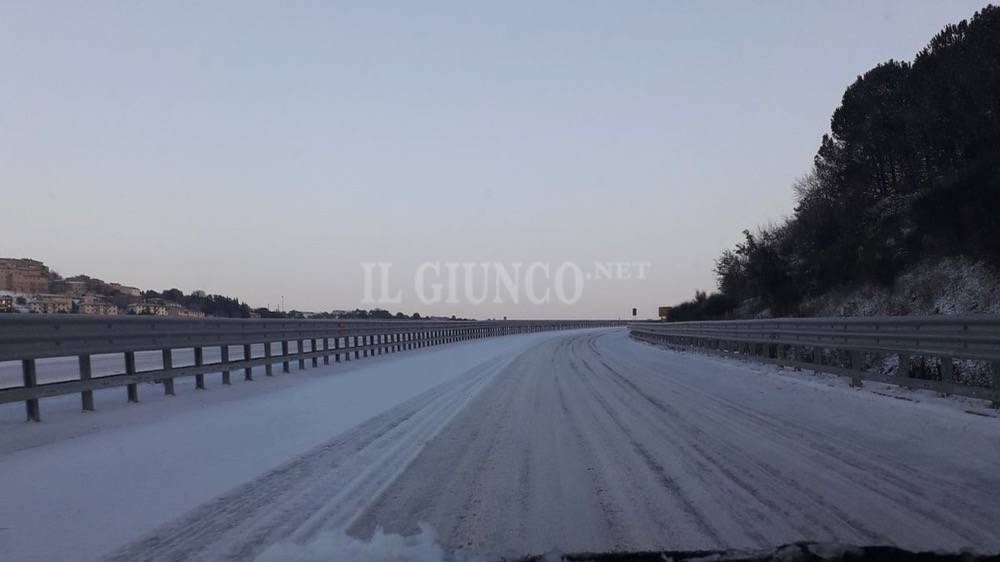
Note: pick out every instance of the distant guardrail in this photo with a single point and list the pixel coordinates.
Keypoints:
(927, 347)
(28, 338)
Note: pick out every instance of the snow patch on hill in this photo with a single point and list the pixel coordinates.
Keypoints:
(954, 285)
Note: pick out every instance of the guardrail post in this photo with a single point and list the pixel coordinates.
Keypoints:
(247, 371)
(903, 370)
(199, 360)
(996, 384)
(284, 355)
(224, 358)
(268, 353)
(86, 396)
(857, 365)
(133, 388)
(30, 378)
(168, 365)
(947, 374)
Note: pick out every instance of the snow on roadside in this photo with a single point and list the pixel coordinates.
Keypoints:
(820, 379)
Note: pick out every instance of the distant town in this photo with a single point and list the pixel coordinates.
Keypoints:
(28, 286)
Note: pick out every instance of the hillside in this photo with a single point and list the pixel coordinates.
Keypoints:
(903, 194)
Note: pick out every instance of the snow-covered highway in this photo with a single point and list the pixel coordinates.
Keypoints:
(582, 440)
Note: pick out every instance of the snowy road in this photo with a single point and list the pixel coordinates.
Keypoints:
(588, 440)
(595, 442)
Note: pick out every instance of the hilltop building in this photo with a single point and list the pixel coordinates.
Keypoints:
(126, 290)
(24, 276)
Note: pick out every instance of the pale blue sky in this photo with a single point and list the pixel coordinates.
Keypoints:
(261, 149)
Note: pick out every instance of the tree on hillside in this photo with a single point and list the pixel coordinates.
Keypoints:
(910, 168)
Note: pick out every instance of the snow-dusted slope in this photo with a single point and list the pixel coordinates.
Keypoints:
(571, 441)
(954, 285)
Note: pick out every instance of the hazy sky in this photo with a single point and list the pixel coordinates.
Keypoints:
(260, 149)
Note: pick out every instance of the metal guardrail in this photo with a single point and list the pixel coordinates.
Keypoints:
(844, 345)
(27, 338)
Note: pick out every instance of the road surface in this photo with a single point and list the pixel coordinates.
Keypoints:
(591, 441)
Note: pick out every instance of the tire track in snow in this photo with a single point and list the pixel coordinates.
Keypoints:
(324, 487)
(857, 466)
(708, 461)
(687, 505)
